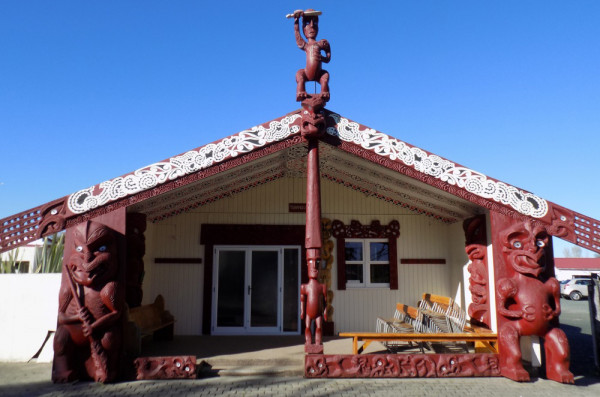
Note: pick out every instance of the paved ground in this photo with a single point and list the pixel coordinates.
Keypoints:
(226, 354)
(33, 380)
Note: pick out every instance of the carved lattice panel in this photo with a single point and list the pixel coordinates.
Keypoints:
(587, 232)
(32, 224)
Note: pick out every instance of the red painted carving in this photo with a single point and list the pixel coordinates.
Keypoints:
(528, 301)
(401, 365)
(33, 224)
(574, 227)
(314, 57)
(357, 230)
(325, 273)
(313, 308)
(563, 224)
(313, 121)
(87, 343)
(53, 218)
(313, 294)
(136, 249)
(177, 367)
(476, 248)
(341, 232)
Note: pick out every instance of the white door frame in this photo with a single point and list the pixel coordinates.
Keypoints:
(247, 329)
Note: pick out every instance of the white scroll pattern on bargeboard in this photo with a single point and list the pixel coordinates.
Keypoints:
(437, 167)
(178, 166)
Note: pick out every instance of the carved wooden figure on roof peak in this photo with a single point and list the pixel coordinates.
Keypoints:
(314, 53)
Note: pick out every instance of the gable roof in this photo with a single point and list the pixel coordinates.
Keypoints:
(355, 156)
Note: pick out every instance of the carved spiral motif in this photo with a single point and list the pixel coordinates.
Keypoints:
(178, 166)
(437, 167)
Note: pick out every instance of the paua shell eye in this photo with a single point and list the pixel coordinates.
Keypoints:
(102, 248)
(540, 243)
(517, 244)
(79, 248)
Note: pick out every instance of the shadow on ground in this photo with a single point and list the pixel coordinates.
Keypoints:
(209, 346)
(582, 358)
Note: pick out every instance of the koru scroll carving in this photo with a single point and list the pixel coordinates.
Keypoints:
(87, 343)
(400, 365)
(530, 303)
(176, 367)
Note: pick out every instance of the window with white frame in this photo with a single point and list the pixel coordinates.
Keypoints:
(367, 262)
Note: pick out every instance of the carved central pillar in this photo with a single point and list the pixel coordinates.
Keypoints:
(313, 204)
(313, 294)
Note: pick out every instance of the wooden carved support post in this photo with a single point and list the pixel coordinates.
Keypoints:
(313, 294)
(527, 297)
(89, 332)
(476, 248)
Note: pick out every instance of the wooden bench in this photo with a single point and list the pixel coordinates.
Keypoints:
(406, 319)
(484, 336)
(483, 346)
(153, 320)
(445, 314)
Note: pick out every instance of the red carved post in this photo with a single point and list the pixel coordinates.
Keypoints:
(313, 294)
(89, 330)
(527, 297)
(476, 248)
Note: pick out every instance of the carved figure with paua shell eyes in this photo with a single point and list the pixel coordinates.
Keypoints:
(532, 305)
(91, 300)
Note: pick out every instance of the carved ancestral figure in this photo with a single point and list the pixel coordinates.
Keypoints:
(313, 121)
(314, 56)
(88, 335)
(313, 304)
(531, 305)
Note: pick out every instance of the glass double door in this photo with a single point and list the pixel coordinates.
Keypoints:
(256, 290)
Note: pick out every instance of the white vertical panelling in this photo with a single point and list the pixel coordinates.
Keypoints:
(458, 262)
(420, 237)
(179, 237)
(491, 275)
(182, 288)
(355, 309)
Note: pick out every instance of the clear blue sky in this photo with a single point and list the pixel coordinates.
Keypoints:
(91, 90)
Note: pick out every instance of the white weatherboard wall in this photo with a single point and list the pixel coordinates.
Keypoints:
(355, 309)
(28, 311)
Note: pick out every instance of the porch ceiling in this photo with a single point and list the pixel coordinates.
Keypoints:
(337, 166)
